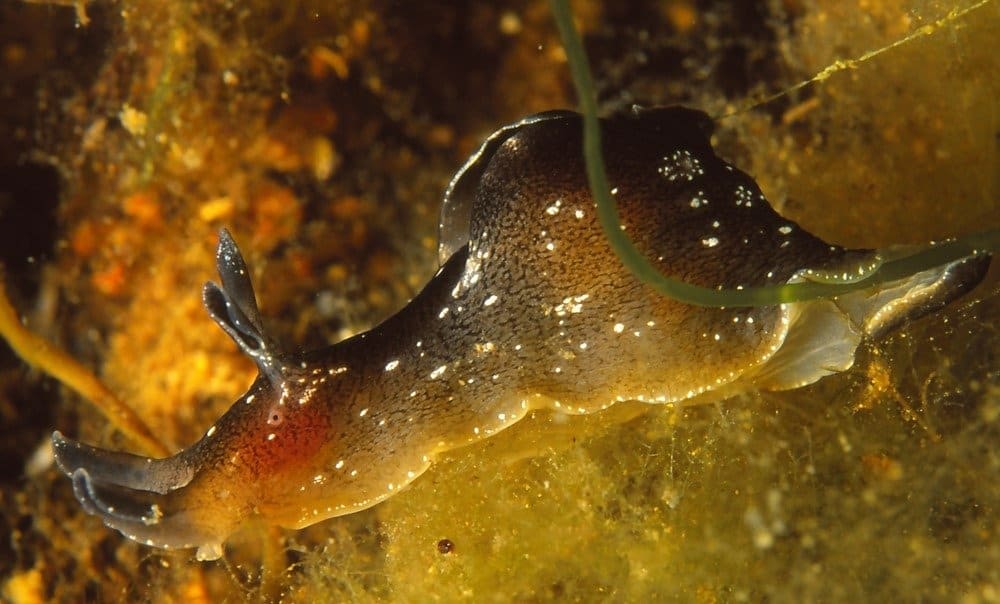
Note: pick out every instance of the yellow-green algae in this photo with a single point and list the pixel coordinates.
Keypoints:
(880, 484)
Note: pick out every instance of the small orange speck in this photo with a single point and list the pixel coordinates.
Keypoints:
(380, 266)
(682, 15)
(220, 208)
(441, 136)
(300, 265)
(111, 280)
(195, 591)
(277, 214)
(14, 55)
(322, 60)
(336, 272)
(314, 117)
(882, 467)
(144, 207)
(84, 239)
(360, 32)
(347, 207)
(277, 154)
(890, 135)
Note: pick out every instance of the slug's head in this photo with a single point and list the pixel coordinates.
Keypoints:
(144, 499)
(200, 496)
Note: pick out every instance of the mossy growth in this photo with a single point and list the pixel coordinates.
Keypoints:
(325, 142)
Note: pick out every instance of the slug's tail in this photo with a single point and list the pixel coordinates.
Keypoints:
(823, 335)
(141, 498)
(880, 310)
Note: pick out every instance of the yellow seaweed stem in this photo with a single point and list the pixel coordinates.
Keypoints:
(49, 358)
(854, 63)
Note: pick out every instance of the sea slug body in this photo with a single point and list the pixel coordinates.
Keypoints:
(530, 309)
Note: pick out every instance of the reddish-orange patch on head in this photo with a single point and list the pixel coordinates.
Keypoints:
(285, 440)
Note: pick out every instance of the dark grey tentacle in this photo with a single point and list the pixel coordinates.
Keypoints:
(143, 516)
(234, 307)
(121, 469)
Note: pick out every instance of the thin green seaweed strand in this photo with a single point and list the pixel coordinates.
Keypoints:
(631, 257)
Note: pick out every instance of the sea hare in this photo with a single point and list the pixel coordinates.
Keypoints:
(530, 309)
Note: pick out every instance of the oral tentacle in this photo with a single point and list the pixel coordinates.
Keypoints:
(122, 469)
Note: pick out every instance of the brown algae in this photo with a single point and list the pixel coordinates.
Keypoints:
(834, 491)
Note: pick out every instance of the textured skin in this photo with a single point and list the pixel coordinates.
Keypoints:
(536, 311)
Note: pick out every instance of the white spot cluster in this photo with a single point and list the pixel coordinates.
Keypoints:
(699, 200)
(710, 241)
(743, 196)
(680, 165)
(473, 269)
(571, 305)
(484, 348)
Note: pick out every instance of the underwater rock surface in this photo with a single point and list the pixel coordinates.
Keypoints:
(325, 138)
